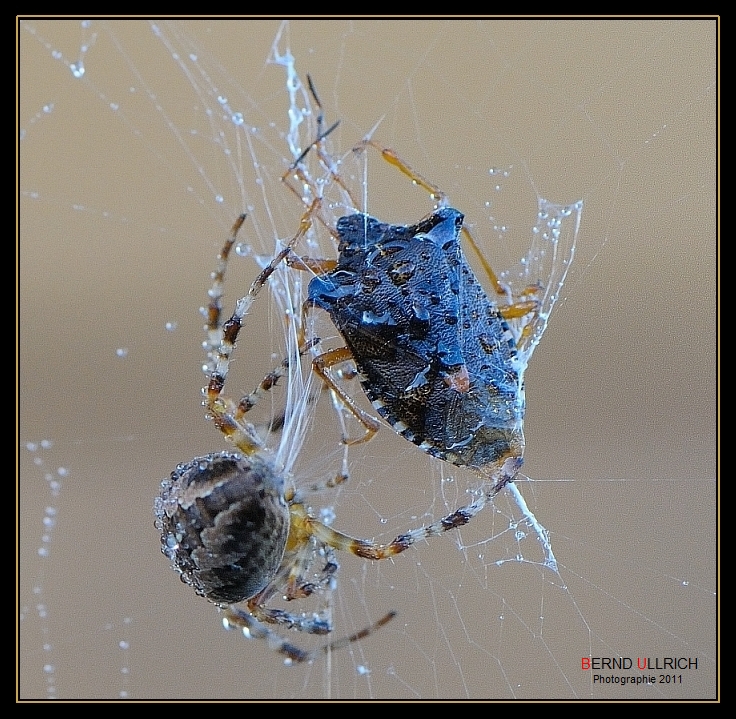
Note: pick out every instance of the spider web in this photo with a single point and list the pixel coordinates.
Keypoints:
(139, 145)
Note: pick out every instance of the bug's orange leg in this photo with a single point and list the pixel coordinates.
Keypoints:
(321, 364)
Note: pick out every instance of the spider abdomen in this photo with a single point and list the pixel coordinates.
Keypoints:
(224, 523)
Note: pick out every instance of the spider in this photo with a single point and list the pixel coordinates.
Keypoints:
(235, 526)
(232, 523)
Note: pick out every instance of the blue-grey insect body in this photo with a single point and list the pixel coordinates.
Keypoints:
(435, 355)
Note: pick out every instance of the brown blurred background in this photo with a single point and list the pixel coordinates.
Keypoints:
(119, 225)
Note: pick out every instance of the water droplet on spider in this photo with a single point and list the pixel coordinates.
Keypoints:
(170, 326)
(77, 69)
(219, 198)
(222, 100)
(237, 118)
(121, 352)
(327, 515)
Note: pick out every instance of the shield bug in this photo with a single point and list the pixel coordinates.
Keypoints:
(440, 361)
(435, 355)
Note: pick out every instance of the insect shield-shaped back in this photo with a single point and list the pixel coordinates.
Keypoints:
(436, 358)
(224, 524)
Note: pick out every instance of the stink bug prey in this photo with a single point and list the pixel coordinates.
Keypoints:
(440, 360)
(436, 357)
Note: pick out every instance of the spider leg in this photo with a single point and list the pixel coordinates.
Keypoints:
(214, 329)
(311, 264)
(302, 551)
(240, 619)
(321, 363)
(236, 618)
(213, 310)
(321, 581)
(340, 478)
(507, 470)
(223, 411)
(231, 328)
(269, 381)
(249, 401)
(309, 624)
